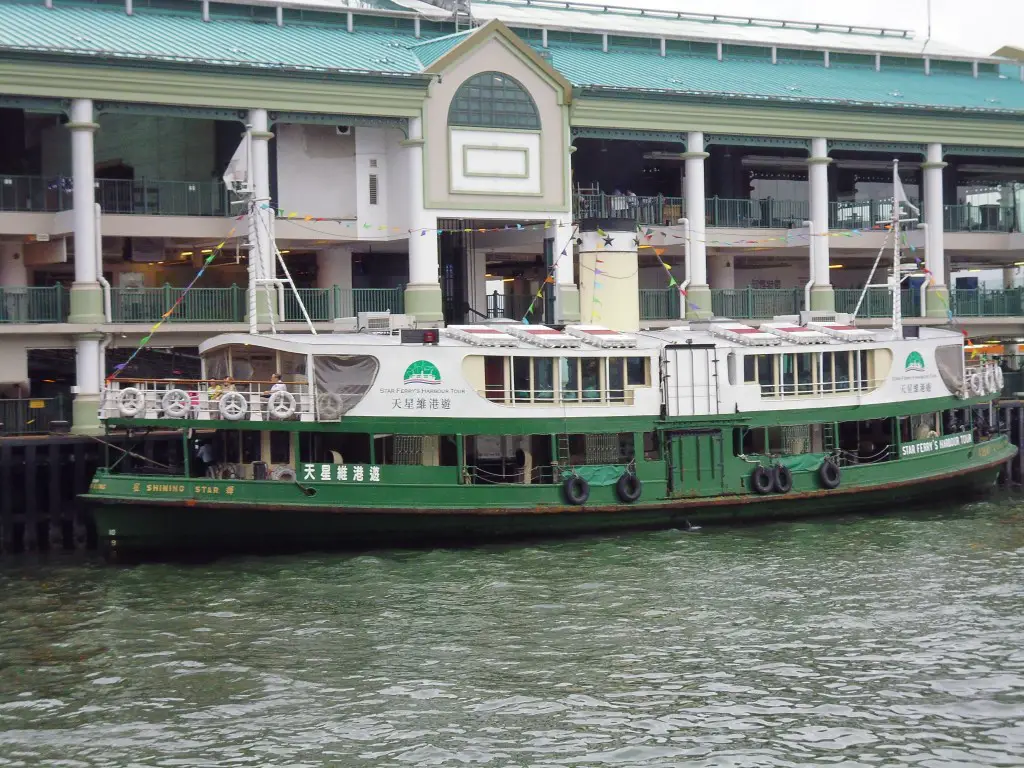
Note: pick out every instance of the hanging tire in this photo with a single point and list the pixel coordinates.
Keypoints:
(576, 490)
(629, 488)
(782, 478)
(829, 474)
(287, 474)
(281, 405)
(130, 401)
(233, 406)
(176, 403)
(761, 480)
(328, 406)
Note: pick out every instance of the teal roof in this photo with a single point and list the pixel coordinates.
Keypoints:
(183, 37)
(247, 38)
(633, 69)
(430, 51)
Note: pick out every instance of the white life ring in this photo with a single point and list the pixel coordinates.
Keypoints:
(176, 403)
(281, 404)
(999, 379)
(130, 401)
(283, 473)
(977, 385)
(328, 406)
(233, 406)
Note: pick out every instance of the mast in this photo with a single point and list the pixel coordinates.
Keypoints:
(896, 282)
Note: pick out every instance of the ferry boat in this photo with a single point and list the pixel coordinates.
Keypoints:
(497, 430)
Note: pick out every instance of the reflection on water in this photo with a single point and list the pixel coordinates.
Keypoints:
(866, 641)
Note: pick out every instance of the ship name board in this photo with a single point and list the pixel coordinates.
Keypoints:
(931, 445)
(339, 473)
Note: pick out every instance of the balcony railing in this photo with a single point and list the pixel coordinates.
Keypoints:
(514, 306)
(657, 209)
(744, 303)
(863, 214)
(31, 415)
(659, 304)
(968, 217)
(986, 302)
(325, 304)
(34, 305)
(148, 197)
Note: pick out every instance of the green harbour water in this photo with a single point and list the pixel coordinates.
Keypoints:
(881, 640)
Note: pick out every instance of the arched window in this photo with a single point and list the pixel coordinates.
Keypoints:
(493, 100)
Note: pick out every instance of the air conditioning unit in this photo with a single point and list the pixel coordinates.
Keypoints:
(375, 322)
(343, 130)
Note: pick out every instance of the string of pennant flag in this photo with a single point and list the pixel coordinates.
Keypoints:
(549, 279)
(173, 308)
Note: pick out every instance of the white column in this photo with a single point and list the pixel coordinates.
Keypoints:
(334, 267)
(87, 364)
(13, 273)
(822, 296)
(934, 212)
(262, 263)
(698, 298)
(567, 297)
(83, 165)
(721, 271)
(423, 294)
(609, 278)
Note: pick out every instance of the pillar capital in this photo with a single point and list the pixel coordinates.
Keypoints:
(819, 160)
(694, 155)
(936, 166)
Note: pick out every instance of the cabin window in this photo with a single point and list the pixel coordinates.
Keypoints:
(251, 448)
(292, 368)
(252, 363)
(602, 448)
(543, 379)
(842, 369)
(750, 368)
(341, 382)
(280, 447)
(569, 376)
(494, 378)
(521, 379)
(826, 375)
(805, 373)
(216, 365)
(949, 359)
(334, 448)
(636, 372)
(492, 459)
(590, 376)
(749, 442)
(616, 379)
(652, 446)
(866, 442)
(766, 373)
(788, 374)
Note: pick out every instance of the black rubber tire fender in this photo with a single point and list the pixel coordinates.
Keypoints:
(782, 478)
(629, 487)
(761, 480)
(576, 490)
(829, 474)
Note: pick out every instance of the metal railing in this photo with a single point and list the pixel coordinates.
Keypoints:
(30, 415)
(199, 305)
(745, 303)
(150, 197)
(514, 306)
(659, 304)
(207, 400)
(763, 213)
(969, 217)
(863, 214)
(640, 209)
(326, 304)
(987, 302)
(19, 304)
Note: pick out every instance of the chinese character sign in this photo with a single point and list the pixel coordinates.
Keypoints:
(339, 473)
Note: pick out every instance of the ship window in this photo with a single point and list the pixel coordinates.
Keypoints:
(590, 376)
(788, 375)
(766, 374)
(292, 367)
(334, 448)
(616, 379)
(216, 365)
(494, 378)
(341, 382)
(252, 363)
(652, 446)
(521, 379)
(613, 448)
(842, 363)
(569, 377)
(805, 373)
(416, 450)
(827, 376)
(280, 447)
(750, 368)
(543, 378)
(636, 372)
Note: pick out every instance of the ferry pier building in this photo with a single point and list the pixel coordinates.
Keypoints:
(435, 160)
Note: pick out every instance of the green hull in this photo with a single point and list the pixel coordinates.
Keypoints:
(262, 516)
